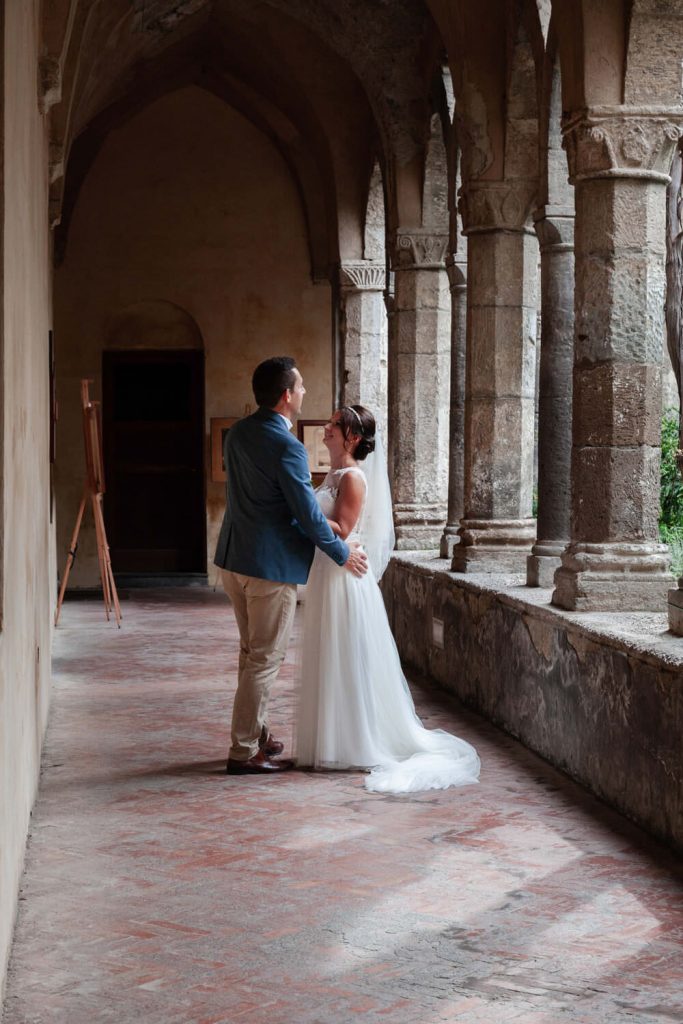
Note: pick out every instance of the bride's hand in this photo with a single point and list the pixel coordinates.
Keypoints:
(357, 562)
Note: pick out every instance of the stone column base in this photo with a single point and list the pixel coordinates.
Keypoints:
(418, 527)
(541, 564)
(493, 545)
(613, 577)
(449, 539)
(676, 610)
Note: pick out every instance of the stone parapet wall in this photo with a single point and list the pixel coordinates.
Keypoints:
(599, 695)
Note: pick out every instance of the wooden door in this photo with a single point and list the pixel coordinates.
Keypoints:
(153, 415)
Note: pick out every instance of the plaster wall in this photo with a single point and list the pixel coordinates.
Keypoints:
(27, 591)
(598, 695)
(186, 204)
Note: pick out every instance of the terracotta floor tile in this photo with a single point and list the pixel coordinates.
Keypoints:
(157, 889)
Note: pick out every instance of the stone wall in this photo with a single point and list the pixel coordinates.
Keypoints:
(27, 555)
(190, 205)
(600, 696)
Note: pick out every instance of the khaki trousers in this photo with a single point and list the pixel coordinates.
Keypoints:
(264, 611)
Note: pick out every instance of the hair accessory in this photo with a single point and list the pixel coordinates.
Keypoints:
(351, 409)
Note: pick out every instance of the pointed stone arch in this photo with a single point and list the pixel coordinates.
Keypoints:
(152, 323)
(312, 180)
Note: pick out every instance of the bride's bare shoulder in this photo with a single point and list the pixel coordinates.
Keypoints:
(351, 481)
(352, 473)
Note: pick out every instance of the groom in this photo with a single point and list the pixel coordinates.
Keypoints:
(272, 523)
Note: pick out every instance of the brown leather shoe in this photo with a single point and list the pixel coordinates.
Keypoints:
(259, 764)
(272, 747)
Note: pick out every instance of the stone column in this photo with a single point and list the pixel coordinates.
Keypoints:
(419, 395)
(618, 162)
(390, 443)
(497, 529)
(456, 266)
(555, 230)
(364, 332)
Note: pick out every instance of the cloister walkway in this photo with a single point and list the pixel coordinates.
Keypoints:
(157, 889)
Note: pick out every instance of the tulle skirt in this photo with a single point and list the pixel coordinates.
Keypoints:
(355, 709)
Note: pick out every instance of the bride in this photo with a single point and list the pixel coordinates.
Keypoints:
(355, 708)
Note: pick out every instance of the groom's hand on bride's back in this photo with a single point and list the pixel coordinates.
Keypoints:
(357, 562)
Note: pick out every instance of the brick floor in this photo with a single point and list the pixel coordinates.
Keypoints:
(157, 889)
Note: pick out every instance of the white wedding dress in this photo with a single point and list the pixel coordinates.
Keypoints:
(355, 708)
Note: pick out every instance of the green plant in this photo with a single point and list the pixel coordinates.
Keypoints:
(673, 536)
(671, 490)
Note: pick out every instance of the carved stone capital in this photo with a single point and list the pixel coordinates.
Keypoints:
(496, 205)
(362, 276)
(621, 142)
(420, 249)
(554, 228)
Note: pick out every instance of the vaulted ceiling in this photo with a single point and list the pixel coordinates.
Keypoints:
(333, 83)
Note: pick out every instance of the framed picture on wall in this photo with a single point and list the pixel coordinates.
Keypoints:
(219, 428)
(310, 433)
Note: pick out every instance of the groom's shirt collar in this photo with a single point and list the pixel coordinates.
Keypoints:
(288, 422)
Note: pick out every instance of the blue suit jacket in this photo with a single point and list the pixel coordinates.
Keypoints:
(272, 519)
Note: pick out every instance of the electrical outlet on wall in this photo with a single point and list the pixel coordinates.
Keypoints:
(437, 632)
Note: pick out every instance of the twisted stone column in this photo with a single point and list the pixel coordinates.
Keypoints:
(364, 331)
(497, 529)
(456, 267)
(419, 387)
(555, 230)
(619, 160)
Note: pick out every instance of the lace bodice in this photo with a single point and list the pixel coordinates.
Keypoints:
(329, 489)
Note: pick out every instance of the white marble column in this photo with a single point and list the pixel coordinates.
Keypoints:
(619, 161)
(419, 392)
(497, 528)
(456, 267)
(364, 334)
(555, 230)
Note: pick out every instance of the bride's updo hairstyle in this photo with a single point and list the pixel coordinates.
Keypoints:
(357, 420)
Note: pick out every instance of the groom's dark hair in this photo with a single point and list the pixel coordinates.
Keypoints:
(271, 378)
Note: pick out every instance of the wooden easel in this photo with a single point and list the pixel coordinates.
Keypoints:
(93, 489)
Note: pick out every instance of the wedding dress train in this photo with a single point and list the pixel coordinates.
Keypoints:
(355, 708)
